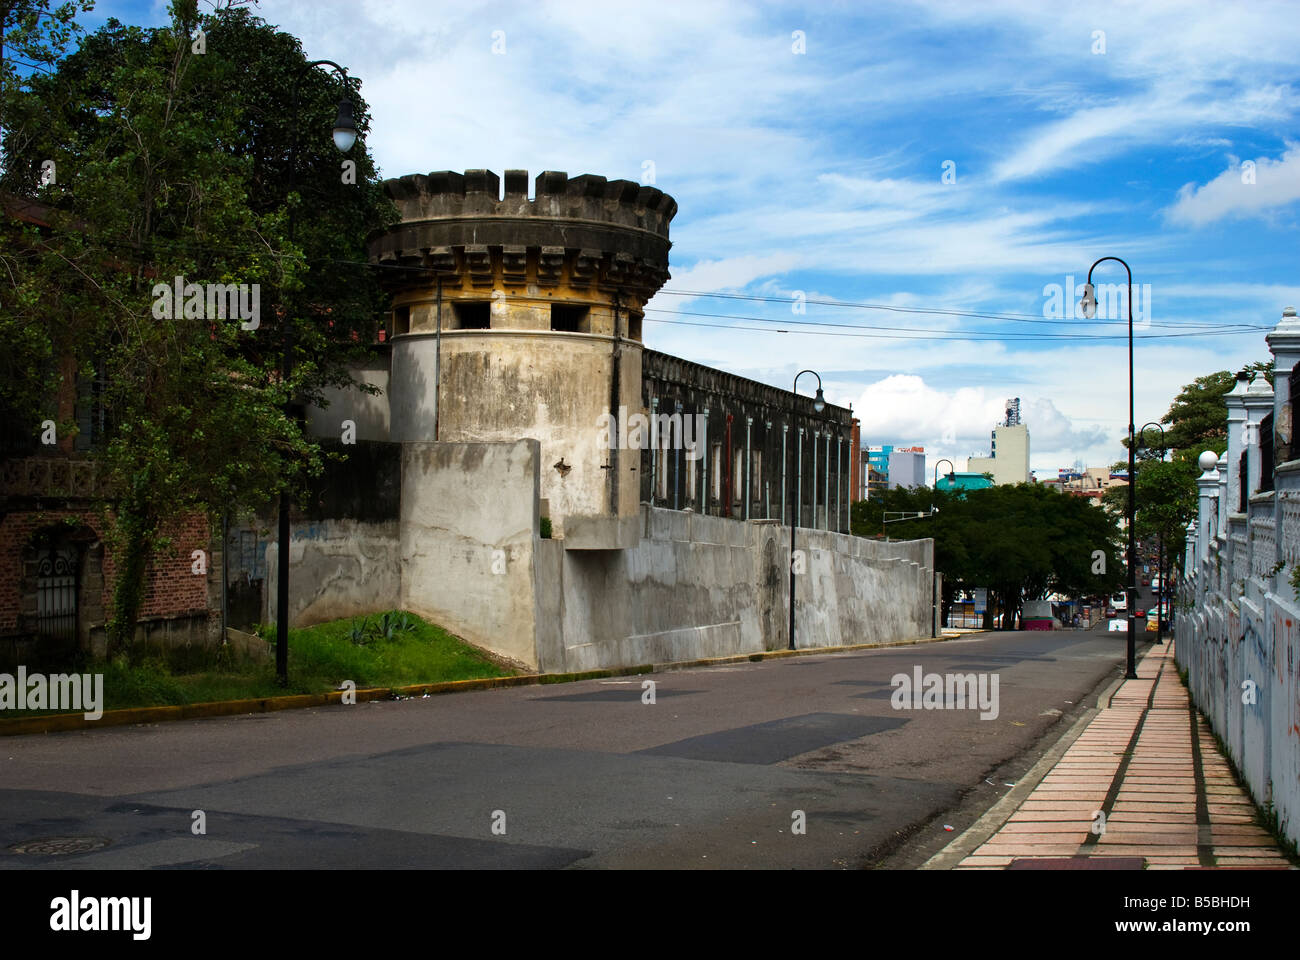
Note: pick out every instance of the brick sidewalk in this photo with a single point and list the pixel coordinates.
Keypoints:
(1168, 797)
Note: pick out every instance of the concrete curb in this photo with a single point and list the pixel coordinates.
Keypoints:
(998, 814)
(810, 652)
(64, 722)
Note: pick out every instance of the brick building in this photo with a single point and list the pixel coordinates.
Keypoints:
(56, 568)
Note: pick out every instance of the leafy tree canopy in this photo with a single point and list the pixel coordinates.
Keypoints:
(175, 154)
(1020, 541)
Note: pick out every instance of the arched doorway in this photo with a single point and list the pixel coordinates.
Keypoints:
(58, 570)
(61, 592)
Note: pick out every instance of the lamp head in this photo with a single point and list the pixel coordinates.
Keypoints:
(819, 403)
(345, 128)
(1089, 301)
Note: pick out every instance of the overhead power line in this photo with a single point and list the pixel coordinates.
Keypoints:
(975, 335)
(1010, 317)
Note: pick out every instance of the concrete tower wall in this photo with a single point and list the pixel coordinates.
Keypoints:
(533, 308)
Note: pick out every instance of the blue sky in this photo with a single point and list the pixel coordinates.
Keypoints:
(1074, 132)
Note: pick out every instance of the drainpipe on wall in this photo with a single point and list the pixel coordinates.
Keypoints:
(767, 484)
(785, 490)
(614, 411)
(677, 461)
(437, 363)
(726, 473)
(839, 481)
(707, 453)
(828, 480)
(654, 448)
(749, 469)
(798, 481)
(812, 520)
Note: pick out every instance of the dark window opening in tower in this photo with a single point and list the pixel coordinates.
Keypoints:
(634, 326)
(401, 320)
(472, 316)
(570, 318)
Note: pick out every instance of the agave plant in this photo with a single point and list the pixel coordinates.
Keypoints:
(360, 632)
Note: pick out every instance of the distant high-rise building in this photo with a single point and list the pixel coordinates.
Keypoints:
(887, 467)
(875, 468)
(1008, 459)
(906, 467)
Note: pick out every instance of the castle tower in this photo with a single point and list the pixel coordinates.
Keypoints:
(521, 318)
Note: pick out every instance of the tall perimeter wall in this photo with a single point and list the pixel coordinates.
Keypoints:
(1238, 620)
(472, 559)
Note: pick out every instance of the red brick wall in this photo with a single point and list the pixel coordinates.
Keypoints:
(171, 589)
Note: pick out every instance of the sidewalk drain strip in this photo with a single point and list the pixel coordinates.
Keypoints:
(1117, 781)
(1204, 840)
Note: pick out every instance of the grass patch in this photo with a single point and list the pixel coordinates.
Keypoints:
(389, 650)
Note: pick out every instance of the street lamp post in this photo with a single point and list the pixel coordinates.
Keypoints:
(1089, 303)
(819, 404)
(1160, 541)
(345, 135)
(934, 560)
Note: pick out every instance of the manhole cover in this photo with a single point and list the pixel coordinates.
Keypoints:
(58, 846)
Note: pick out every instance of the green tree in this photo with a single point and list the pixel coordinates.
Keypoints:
(1165, 492)
(34, 36)
(175, 157)
(1020, 542)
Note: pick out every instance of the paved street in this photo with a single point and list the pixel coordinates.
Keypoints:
(583, 774)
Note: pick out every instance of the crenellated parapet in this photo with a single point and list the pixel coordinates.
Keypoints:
(580, 233)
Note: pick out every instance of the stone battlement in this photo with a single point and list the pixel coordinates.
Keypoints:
(580, 232)
(477, 193)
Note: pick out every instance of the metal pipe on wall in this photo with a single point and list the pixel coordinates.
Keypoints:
(704, 446)
(785, 490)
(798, 482)
(677, 459)
(839, 479)
(654, 448)
(749, 465)
(812, 520)
(828, 480)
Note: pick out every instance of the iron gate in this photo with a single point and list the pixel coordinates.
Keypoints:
(56, 593)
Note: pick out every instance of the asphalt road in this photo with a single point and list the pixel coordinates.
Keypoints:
(576, 775)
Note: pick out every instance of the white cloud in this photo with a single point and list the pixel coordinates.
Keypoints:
(1276, 183)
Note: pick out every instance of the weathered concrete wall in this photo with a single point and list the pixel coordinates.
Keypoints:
(501, 384)
(468, 533)
(699, 586)
(369, 412)
(467, 554)
(337, 568)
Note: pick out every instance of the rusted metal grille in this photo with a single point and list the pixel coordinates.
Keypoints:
(56, 593)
